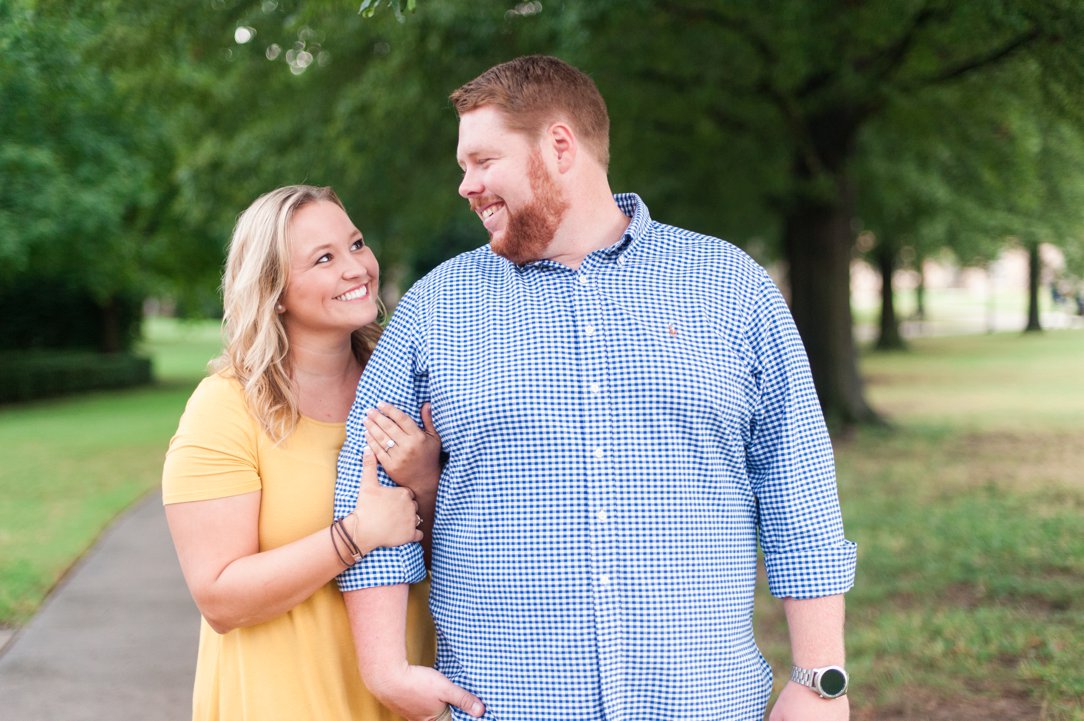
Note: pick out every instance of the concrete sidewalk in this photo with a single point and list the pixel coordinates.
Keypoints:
(116, 640)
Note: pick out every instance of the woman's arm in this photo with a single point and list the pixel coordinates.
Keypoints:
(234, 584)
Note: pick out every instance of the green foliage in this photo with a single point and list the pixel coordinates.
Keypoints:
(74, 178)
(369, 7)
(29, 375)
(790, 84)
(714, 106)
(46, 311)
(314, 94)
(739, 119)
(71, 170)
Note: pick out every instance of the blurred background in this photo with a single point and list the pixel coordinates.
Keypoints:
(911, 172)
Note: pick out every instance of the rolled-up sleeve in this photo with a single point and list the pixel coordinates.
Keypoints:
(791, 464)
(394, 375)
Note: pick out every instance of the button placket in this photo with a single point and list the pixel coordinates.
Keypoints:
(598, 434)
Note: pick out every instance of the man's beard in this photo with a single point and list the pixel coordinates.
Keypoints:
(531, 229)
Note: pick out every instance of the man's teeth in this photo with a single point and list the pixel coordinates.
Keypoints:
(489, 211)
(354, 294)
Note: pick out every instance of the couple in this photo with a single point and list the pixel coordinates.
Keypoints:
(626, 411)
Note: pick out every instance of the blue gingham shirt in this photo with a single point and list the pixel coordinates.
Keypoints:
(620, 437)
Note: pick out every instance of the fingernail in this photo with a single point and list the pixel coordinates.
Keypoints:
(382, 405)
(477, 709)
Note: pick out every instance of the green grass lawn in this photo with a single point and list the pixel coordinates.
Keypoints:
(71, 465)
(968, 514)
(969, 519)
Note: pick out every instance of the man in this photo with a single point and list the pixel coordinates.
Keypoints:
(627, 409)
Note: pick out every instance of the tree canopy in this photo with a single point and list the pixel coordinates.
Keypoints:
(782, 127)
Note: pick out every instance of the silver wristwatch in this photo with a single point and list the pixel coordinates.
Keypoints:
(827, 681)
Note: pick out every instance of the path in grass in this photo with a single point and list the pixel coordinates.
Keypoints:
(71, 465)
(969, 518)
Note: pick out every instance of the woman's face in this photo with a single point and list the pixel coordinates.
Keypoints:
(333, 278)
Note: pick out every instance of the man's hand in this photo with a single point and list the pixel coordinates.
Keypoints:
(800, 703)
(417, 693)
(420, 693)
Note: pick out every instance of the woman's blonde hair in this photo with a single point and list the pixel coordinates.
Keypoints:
(253, 283)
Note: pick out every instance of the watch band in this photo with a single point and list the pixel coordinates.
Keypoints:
(814, 678)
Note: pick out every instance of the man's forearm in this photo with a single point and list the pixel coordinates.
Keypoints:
(816, 631)
(816, 640)
(378, 622)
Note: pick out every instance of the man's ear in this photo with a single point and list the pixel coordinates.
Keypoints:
(563, 145)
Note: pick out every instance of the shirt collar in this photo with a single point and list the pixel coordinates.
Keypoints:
(639, 220)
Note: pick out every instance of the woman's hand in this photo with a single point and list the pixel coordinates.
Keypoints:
(410, 455)
(384, 516)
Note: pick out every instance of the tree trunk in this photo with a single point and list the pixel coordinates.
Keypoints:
(920, 290)
(817, 245)
(111, 333)
(889, 337)
(1034, 271)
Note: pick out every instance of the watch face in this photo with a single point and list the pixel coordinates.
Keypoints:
(832, 682)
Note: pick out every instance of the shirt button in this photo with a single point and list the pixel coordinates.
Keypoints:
(604, 580)
(595, 388)
(589, 329)
(583, 278)
(602, 515)
(620, 260)
(598, 453)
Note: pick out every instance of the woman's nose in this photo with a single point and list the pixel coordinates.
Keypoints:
(357, 268)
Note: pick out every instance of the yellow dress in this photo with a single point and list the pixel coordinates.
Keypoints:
(300, 665)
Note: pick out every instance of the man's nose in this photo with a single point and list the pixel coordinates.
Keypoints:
(470, 185)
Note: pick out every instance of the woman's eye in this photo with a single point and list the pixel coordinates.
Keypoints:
(358, 244)
(325, 258)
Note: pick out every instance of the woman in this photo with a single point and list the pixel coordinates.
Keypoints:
(249, 477)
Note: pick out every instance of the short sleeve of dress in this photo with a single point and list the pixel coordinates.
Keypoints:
(214, 453)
